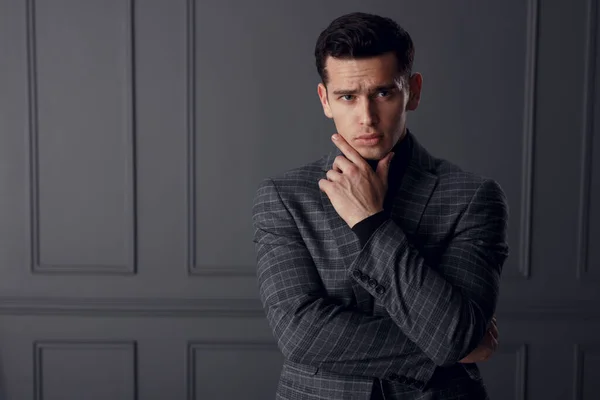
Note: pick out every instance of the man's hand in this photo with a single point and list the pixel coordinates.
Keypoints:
(355, 191)
(487, 347)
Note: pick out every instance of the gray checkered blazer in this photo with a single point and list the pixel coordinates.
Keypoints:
(414, 300)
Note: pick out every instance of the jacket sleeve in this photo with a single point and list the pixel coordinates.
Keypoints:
(311, 328)
(444, 308)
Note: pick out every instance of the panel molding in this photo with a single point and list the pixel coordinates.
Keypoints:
(212, 345)
(521, 354)
(192, 267)
(573, 311)
(531, 56)
(589, 98)
(521, 372)
(141, 307)
(35, 264)
(579, 353)
(40, 345)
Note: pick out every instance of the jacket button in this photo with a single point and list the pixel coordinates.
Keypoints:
(372, 282)
(357, 274)
(379, 289)
(364, 278)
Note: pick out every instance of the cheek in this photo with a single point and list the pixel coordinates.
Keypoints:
(393, 112)
(342, 115)
(345, 125)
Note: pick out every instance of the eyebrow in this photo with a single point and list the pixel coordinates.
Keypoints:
(389, 86)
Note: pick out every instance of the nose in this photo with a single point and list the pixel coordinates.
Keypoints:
(368, 113)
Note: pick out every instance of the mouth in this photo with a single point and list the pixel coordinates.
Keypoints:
(369, 136)
(369, 140)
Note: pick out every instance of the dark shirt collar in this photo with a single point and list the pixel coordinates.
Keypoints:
(402, 153)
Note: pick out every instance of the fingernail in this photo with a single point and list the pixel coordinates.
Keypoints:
(334, 137)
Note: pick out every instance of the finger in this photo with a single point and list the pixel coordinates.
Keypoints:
(494, 322)
(489, 341)
(492, 326)
(494, 332)
(333, 176)
(349, 151)
(490, 334)
(494, 343)
(324, 185)
(490, 331)
(341, 164)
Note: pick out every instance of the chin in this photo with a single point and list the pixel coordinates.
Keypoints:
(372, 153)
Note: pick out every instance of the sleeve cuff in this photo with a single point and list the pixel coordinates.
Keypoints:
(365, 228)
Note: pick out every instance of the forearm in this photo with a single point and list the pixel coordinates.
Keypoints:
(428, 309)
(316, 330)
(443, 308)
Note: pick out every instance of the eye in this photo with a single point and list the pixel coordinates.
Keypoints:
(385, 93)
(347, 97)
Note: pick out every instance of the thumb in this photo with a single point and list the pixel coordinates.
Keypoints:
(383, 167)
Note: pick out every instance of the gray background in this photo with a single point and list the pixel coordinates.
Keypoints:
(133, 136)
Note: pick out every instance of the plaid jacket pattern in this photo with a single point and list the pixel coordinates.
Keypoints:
(415, 299)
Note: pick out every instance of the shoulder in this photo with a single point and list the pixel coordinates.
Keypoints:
(453, 177)
(296, 189)
(457, 185)
(454, 185)
(301, 179)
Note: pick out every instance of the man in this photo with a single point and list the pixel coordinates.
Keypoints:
(379, 264)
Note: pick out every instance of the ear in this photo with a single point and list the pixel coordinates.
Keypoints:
(322, 91)
(415, 84)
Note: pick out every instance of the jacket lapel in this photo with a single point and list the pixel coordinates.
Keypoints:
(408, 203)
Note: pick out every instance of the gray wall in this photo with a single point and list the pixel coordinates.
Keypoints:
(133, 136)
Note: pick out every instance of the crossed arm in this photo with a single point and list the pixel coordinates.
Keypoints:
(443, 309)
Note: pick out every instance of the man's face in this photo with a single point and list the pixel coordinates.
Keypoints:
(366, 96)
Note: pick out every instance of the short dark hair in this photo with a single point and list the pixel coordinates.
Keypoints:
(362, 35)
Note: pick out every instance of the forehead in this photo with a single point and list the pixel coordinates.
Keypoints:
(361, 72)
